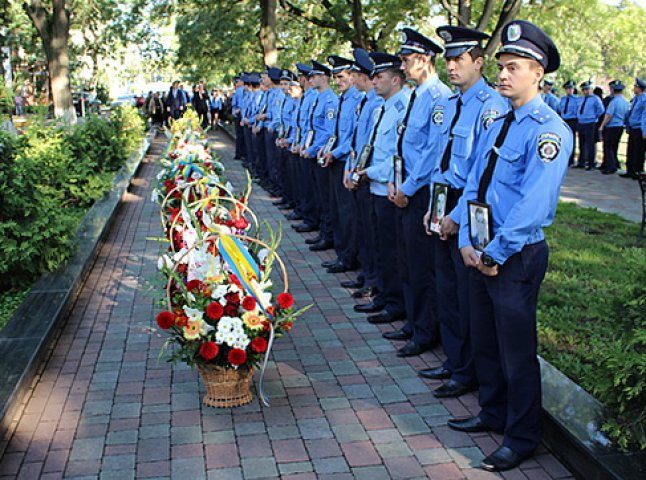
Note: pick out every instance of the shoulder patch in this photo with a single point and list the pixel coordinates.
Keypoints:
(330, 113)
(399, 105)
(437, 116)
(549, 146)
(488, 116)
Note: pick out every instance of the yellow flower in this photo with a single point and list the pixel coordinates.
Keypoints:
(252, 320)
(195, 328)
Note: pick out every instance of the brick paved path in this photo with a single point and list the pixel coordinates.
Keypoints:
(343, 405)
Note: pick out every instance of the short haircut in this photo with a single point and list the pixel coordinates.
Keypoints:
(477, 52)
(396, 72)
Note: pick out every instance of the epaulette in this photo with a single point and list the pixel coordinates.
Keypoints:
(435, 92)
(483, 95)
(541, 114)
(399, 105)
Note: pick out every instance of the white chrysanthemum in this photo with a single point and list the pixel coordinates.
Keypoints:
(219, 292)
(164, 261)
(181, 256)
(193, 313)
(263, 254)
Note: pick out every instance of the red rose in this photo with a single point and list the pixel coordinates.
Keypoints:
(165, 320)
(214, 311)
(285, 300)
(237, 356)
(193, 285)
(249, 303)
(209, 350)
(241, 223)
(231, 310)
(232, 298)
(259, 345)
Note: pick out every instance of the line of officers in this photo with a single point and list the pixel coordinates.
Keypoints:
(441, 199)
(594, 119)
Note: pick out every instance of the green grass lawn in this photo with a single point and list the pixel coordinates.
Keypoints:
(592, 313)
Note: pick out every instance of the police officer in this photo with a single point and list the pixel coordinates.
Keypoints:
(286, 174)
(310, 210)
(335, 155)
(376, 165)
(257, 129)
(236, 106)
(568, 109)
(410, 195)
(636, 126)
(323, 118)
(548, 97)
(612, 127)
(590, 109)
(516, 179)
(364, 221)
(271, 121)
(457, 129)
(249, 109)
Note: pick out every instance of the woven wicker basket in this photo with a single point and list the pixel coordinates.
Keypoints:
(225, 387)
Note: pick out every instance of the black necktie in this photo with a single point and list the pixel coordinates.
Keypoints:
(633, 102)
(356, 127)
(338, 116)
(493, 157)
(373, 135)
(400, 140)
(447, 151)
(567, 103)
(581, 110)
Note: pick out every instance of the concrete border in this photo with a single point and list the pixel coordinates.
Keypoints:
(25, 339)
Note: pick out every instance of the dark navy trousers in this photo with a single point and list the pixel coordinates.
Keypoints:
(250, 151)
(365, 237)
(387, 255)
(322, 189)
(272, 154)
(572, 123)
(342, 216)
(503, 334)
(635, 154)
(240, 143)
(418, 254)
(587, 145)
(611, 138)
(310, 208)
(452, 285)
(261, 154)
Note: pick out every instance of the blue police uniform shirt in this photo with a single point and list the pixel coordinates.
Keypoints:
(294, 120)
(524, 190)
(215, 103)
(323, 120)
(255, 106)
(310, 100)
(250, 99)
(569, 107)
(236, 100)
(346, 120)
(417, 134)
(481, 105)
(364, 123)
(288, 106)
(590, 109)
(551, 101)
(275, 109)
(637, 114)
(261, 104)
(380, 171)
(617, 109)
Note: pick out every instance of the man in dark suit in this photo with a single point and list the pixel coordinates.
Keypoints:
(176, 101)
(200, 104)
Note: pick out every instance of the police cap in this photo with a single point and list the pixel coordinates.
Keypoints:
(415, 42)
(458, 40)
(525, 39)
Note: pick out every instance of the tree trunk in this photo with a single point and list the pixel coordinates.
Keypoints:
(53, 30)
(267, 33)
(509, 11)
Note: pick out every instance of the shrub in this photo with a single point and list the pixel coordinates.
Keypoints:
(48, 178)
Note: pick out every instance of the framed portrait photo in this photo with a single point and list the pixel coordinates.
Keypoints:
(480, 225)
(439, 197)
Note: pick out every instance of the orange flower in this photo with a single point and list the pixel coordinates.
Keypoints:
(252, 320)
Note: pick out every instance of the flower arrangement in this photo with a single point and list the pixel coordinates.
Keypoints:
(221, 311)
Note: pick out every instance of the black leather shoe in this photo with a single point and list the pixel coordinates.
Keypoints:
(364, 292)
(579, 166)
(312, 241)
(470, 425)
(286, 206)
(452, 389)
(304, 228)
(293, 216)
(371, 307)
(321, 246)
(411, 349)
(339, 268)
(384, 317)
(608, 172)
(278, 203)
(329, 263)
(437, 373)
(501, 460)
(396, 335)
(351, 284)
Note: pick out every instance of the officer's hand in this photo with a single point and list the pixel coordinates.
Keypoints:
(391, 191)
(328, 159)
(426, 222)
(469, 257)
(488, 271)
(304, 154)
(270, 130)
(400, 199)
(447, 228)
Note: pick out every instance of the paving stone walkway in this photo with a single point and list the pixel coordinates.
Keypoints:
(343, 405)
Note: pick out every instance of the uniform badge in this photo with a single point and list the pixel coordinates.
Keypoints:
(488, 117)
(446, 36)
(513, 32)
(549, 146)
(437, 117)
(404, 37)
(330, 114)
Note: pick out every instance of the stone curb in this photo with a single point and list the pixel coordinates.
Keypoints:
(25, 339)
